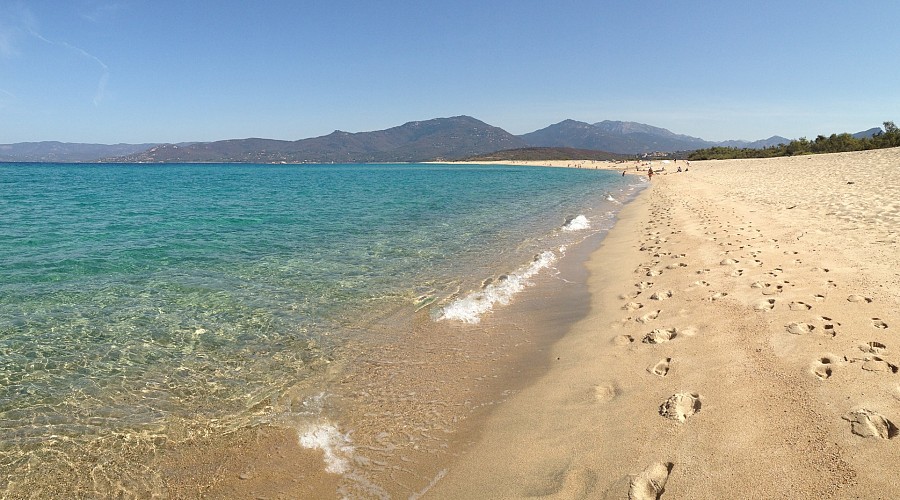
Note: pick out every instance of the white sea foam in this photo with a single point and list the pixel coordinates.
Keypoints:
(440, 475)
(469, 308)
(577, 223)
(334, 445)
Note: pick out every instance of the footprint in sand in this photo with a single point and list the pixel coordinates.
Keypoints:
(648, 317)
(877, 364)
(800, 306)
(870, 424)
(823, 367)
(822, 371)
(662, 295)
(873, 347)
(737, 273)
(623, 340)
(602, 393)
(680, 406)
(769, 289)
(650, 483)
(629, 296)
(718, 296)
(661, 369)
(676, 266)
(818, 297)
(701, 283)
(765, 305)
(800, 328)
(877, 323)
(859, 298)
(729, 262)
(704, 271)
(632, 306)
(829, 328)
(659, 335)
(643, 285)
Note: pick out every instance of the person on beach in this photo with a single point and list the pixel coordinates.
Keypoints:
(623, 173)
(650, 173)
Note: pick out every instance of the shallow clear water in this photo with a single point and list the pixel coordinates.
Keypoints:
(132, 296)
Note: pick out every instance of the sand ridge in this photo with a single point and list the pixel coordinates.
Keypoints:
(740, 344)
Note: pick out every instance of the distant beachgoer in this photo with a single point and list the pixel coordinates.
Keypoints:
(650, 173)
(623, 173)
(679, 169)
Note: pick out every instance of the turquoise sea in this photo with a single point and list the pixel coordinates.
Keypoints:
(137, 297)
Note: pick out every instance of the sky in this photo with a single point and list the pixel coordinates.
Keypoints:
(142, 71)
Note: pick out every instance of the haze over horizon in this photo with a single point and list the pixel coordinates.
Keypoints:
(136, 71)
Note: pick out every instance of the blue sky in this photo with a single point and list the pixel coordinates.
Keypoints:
(171, 71)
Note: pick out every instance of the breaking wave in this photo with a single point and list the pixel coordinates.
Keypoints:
(469, 308)
(577, 223)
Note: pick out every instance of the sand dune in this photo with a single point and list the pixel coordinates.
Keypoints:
(740, 344)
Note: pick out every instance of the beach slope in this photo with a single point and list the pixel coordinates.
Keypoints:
(741, 343)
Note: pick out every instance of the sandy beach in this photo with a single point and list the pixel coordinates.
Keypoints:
(739, 344)
(731, 337)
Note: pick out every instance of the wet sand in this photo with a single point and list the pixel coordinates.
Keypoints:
(410, 401)
(740, 343)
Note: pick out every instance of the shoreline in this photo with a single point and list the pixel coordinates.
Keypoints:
(409, 400)
(734, 326)
(412, 382)
(738, 341)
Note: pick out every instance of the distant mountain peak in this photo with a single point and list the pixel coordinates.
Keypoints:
(627, 138)
(447, 138)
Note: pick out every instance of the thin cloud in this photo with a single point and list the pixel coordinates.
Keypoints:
(104, 78)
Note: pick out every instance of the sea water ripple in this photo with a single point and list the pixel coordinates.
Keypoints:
(134, 297)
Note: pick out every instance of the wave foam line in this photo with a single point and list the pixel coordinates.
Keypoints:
(577, 223)
(334, 445)
(469, 309)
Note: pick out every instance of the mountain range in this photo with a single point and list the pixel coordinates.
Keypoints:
(52, 151)
(628, 137)
(436, 139)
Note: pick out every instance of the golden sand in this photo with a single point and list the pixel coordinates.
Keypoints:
(738, 341)
(740, 344)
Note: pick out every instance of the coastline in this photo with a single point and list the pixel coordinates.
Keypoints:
(769, 292)
(408, 398)
(628, 165)
(375, 405)
(778, 279)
